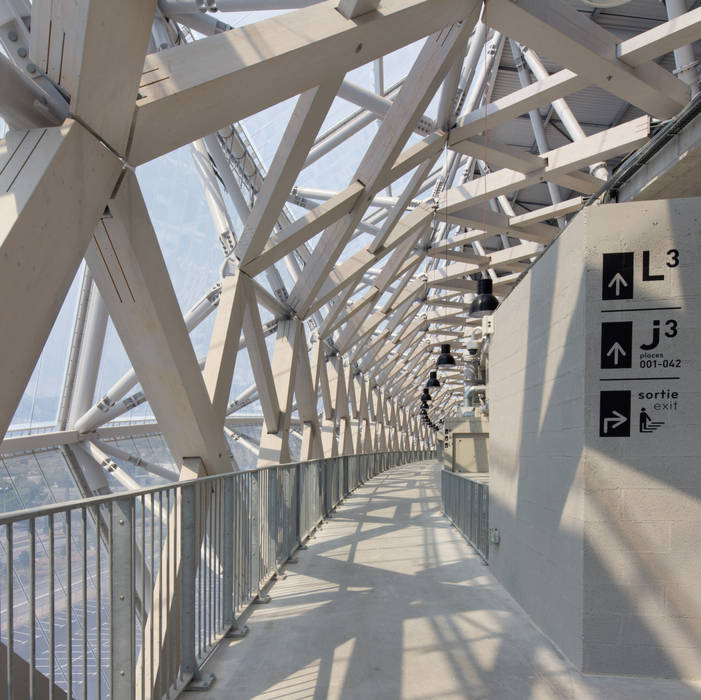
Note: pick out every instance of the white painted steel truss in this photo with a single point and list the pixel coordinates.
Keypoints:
(382, 271)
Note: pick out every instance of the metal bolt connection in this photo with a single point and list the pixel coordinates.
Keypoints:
(12, 35)
(22, 52)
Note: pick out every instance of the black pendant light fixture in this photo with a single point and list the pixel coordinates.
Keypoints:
(445, 359)
(433, 382)
(426, 396)
(485, 302)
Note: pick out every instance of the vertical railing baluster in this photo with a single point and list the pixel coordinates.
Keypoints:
(143, 595)
(153, 592)
(191, 532)
(255, 530)
(32, 606)
(165, 667)
(98, 593)
(228, 555)
(52, 607)
(69, 605)
(161, 576)
(187, 579)
(198, 563)
(208, 564)
(84, 575)
(9, 597)
(122, 661)
(298, 495)
(175, 533)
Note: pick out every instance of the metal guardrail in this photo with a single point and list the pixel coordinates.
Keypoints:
(125, 596)
(466, 504)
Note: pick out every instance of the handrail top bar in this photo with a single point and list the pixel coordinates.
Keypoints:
(32, 513)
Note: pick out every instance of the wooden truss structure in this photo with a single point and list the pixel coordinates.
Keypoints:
(379, 281)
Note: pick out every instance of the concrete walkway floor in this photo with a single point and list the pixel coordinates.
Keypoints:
(390, 601)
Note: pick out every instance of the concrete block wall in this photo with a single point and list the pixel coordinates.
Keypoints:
(601, 534)
(536, 416)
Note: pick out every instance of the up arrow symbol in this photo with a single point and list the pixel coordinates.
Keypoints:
(618, 280)
(616, 350)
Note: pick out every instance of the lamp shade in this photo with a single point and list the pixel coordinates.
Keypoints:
(426, 396)
(605, 3)
(433, 381)
(445, 359)
(485, 302)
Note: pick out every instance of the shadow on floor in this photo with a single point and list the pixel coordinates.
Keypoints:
(389, 601)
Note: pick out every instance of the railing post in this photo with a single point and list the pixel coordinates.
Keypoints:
(298, 486)
(255, 530)
(188, 572)
(256, 537)
(123, 656)
(228, 612)
(228, 553)
(325, 491)
(187, 581)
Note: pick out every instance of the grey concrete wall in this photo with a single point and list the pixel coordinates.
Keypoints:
(601, 523)
(536, 419)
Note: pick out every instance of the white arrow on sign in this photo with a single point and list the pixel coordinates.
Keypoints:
(616, 350)
(618, 280)
(616, 420)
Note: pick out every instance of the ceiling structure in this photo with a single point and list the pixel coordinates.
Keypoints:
(364, 163)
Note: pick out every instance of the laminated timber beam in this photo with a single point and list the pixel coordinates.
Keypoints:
(301, 230)
(495, 223)
(396, 266)
(566, 159)
(551, 212)
(426, 75)
(523, 161)
(515, 104)
(274, 446)
(80, 46)
(128, 267)
(190, 91)
(309, 113)
(574, 41)
(455, 280)
(412, 225)
(54, 182)
(661, 39)
(225, 343)
(605, 144)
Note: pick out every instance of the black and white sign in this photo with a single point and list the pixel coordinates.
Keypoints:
(647, 425)
(616, 345)
(617, 281)
(614, 414)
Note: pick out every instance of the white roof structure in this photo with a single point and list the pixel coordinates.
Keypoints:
(237, 233)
